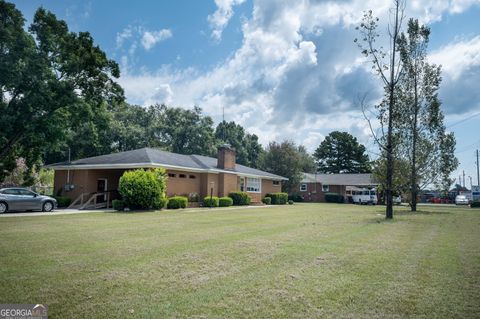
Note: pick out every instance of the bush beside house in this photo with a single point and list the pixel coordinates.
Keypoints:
(278, 198)
(63, 201)
(475, 204)
(240, 198)
(267, 200)
(334, 198)
(210, 201)
(144, 189)
(118, 204)
(177, 202)
(295, 197)
(225, 202)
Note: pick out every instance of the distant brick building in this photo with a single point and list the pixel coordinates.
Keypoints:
(313, 187)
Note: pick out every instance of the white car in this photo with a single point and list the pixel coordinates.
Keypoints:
(461, 200)
(397, 200)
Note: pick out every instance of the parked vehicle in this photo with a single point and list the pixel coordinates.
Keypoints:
(22, 199)
(462, 200)
(397, 200)
(362, 195)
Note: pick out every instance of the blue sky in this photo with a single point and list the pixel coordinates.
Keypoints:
(282, 69)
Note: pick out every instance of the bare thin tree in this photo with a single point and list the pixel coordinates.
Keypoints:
(387, 65)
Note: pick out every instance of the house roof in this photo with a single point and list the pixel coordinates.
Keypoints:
(150, 157)
(340, 179)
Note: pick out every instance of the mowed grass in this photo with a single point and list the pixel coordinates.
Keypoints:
(300, 261)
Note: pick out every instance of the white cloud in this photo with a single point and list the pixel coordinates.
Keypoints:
(220, 18)
(134, 35)
(296, 74)
(458, 57)
(150, 38)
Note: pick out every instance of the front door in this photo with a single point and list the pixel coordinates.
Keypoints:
(101, 188)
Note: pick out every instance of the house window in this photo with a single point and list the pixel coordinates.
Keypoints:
(254, 185)
(172, 175)
(276, 183)
(182, 176)
(192, 176)
(303, 187)
(325, 188)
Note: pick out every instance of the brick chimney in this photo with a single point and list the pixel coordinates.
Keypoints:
(226, 157)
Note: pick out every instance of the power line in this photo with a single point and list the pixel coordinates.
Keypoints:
(467, 148)
(464, 120)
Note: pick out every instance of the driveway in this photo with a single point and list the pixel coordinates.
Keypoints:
(55, 212)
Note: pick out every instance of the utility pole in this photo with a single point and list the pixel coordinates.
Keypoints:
(463, 178)
(470, 177)
(478, 172)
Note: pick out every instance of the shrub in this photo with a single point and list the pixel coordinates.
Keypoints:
(240, 198)
(267, 200)
(278, 198)
(177, 202)
(225, 201)
(118, 204)
(63, 201)
(475, 204)
(144, 189)
(295, 197)
(334, 198)
(210, 201)
(193, 197)
(290, 202)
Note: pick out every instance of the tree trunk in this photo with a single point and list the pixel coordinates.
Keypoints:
(413, 177)
(391, 105)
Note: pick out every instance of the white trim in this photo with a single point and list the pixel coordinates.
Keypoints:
(301, 187)
(152, 165)
(325, 186)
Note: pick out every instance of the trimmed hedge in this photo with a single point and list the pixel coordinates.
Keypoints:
(278, 198)
(240, 198)
(225, 201)
(334, 198)
(296, 198)
(290, 202)
(118, 204)
(177, 202)
(475, 204)
(210, 201)
(144, 189)
(267, 200)
(63, 201)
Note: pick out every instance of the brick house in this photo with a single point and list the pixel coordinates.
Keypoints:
(313, 187)
(187, 174)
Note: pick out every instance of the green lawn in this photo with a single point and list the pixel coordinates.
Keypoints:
(300, 261)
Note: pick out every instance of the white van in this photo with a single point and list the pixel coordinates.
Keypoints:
(362, 195)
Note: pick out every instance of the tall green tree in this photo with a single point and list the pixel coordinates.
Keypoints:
(284, 159)
(447, 163)
(307, 162)
(246, 145)
(386, 65)
(422, 128)
(340, 152)
(51, 80)
(182, 131)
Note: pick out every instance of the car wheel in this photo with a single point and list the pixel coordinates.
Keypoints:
(47, 207)
(3, 207)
